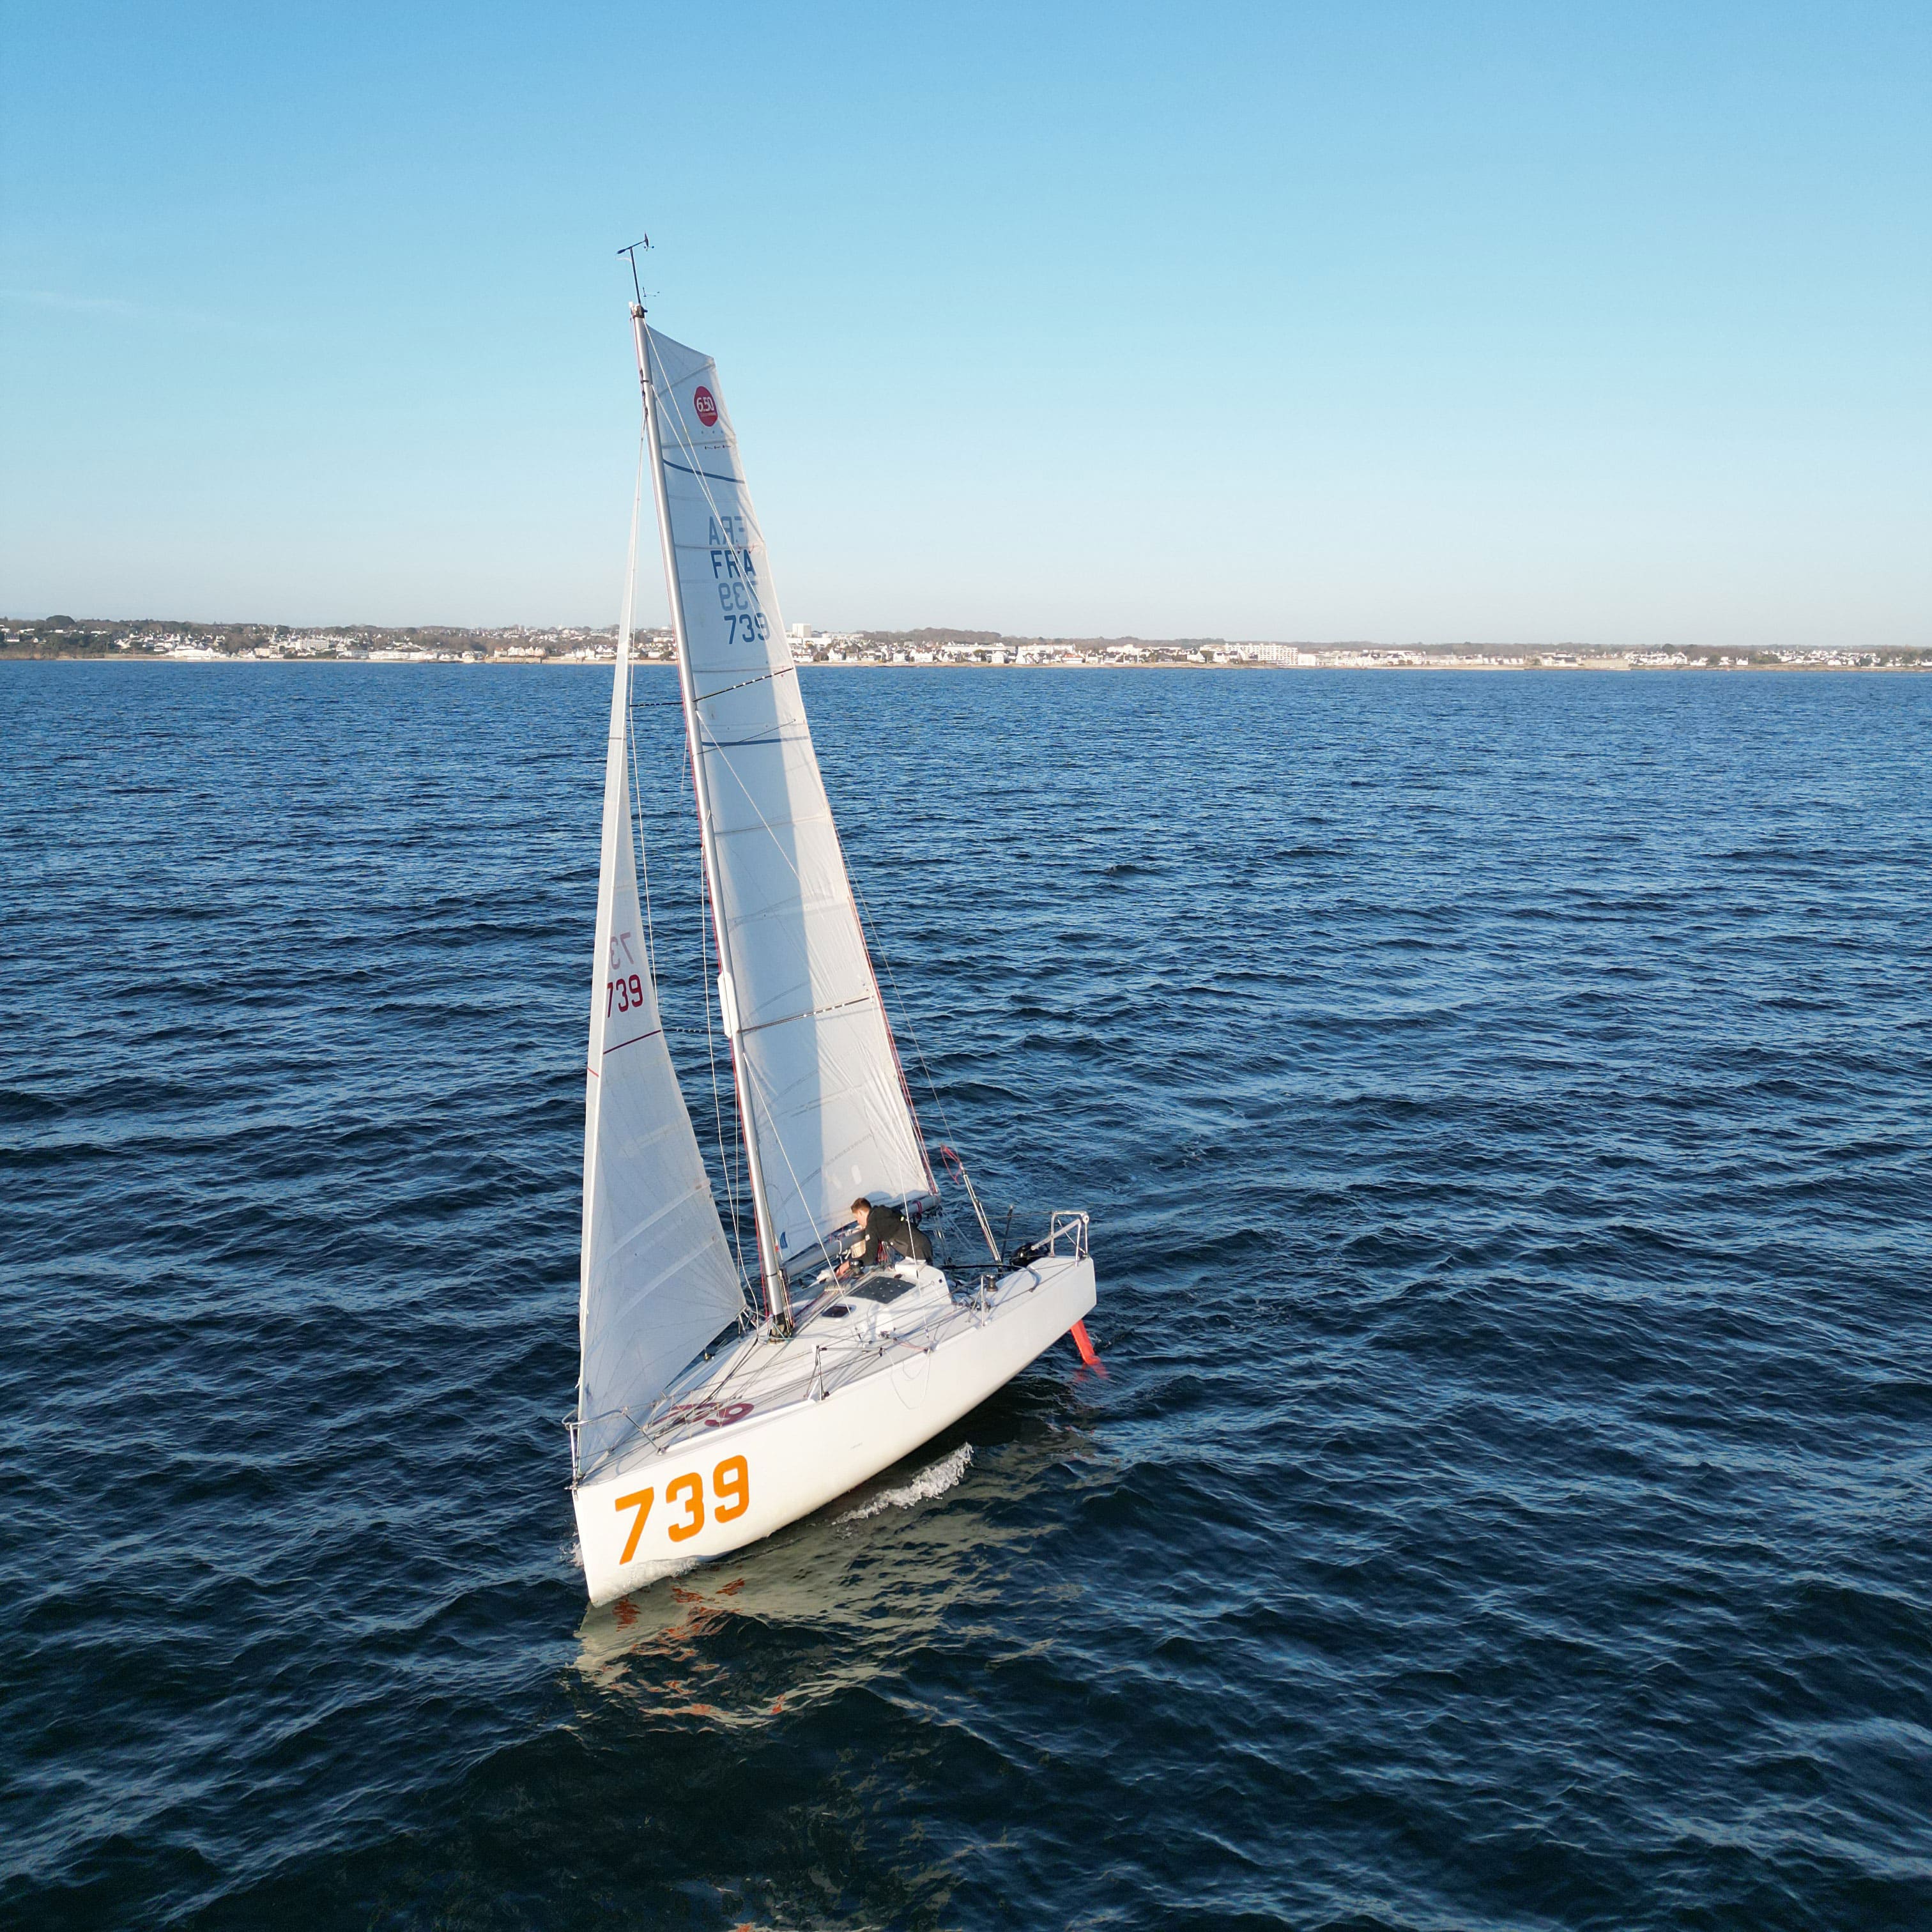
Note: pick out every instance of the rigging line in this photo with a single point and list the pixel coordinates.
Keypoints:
(797, 1185)
(898, 1063)
(726, 1163)
(660, 1427)
(642, 844)
(743, 1201)
(751, 799)
(726, 1172)
(720, 746)
(655, 1417)
(892, 1042)
(905, 1012)
(659, 1415)
(758, 1090)
(771, 831)
(659, 1412)
(622, 669)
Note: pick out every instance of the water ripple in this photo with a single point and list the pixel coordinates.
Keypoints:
(1503, 1106)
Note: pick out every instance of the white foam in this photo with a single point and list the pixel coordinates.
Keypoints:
(933, 1480)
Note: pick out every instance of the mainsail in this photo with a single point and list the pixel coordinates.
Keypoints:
(658, 1282)
(819, 1077)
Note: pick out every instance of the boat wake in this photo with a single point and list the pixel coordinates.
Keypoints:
(933, 1480)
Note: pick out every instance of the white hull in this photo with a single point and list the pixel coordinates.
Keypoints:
(768, 1431)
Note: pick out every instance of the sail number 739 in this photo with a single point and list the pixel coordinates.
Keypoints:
(731, 1493)
(623, 989)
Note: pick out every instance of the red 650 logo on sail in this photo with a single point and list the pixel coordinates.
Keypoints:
(705, 404)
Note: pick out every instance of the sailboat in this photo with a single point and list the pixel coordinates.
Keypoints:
(717, 1401)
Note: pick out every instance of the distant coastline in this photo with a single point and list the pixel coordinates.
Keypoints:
(69, 639)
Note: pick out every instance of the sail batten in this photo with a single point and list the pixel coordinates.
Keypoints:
(820, 1084)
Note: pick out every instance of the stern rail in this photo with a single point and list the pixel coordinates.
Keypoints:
(1068, 1224)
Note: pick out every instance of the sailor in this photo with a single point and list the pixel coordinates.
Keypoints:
(882, 1228)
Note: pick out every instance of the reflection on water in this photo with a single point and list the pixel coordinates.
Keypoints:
(749, 1717)
(833, 1600)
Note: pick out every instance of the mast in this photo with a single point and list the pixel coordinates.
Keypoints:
(770, 1266)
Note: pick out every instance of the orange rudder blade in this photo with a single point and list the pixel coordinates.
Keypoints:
(1078, 1332)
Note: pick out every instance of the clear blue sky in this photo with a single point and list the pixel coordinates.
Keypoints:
(1402, 321)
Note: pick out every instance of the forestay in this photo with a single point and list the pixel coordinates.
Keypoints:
(658, 1281)
(827, 1100)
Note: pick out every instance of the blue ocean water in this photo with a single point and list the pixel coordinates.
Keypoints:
(1503, 1103)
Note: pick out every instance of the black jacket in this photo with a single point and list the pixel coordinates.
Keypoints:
(887, 1227)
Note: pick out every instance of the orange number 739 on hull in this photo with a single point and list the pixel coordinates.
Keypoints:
(730, 1486)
